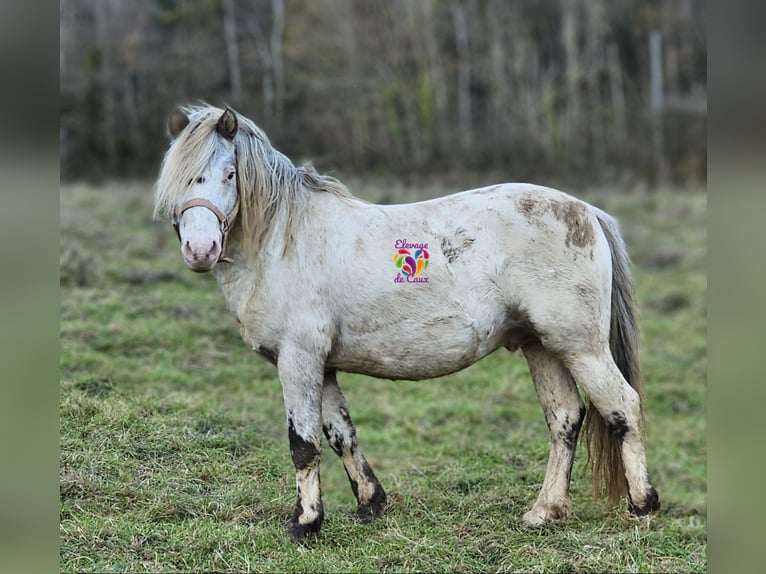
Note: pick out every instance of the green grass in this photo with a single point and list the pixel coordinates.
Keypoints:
(173, 439)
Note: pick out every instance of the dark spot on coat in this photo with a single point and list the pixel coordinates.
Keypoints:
(354, 484)
(304, 453)
(574, 216)
(341, 435)
(450, 252)
(453, 248)
(571, 439)
(335, 438)
(527, 206)
(618, 424)
(570, 429)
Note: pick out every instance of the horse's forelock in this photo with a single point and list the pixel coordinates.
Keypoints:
(187, 156)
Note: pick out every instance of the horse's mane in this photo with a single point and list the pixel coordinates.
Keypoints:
(271, 187)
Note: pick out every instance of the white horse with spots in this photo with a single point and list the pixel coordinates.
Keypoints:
(321, 282)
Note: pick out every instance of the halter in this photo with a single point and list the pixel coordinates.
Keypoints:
(225, 222)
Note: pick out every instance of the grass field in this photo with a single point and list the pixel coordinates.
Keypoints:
(174, 453)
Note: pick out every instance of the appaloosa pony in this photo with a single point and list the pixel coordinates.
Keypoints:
(322, 282)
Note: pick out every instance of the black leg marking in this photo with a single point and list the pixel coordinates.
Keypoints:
(304, 453)
(651, 503)
(305, 457)
(568, 434)
(570, 429)
(373, 508)
(297, 531)
(618, 424)
(335, 439)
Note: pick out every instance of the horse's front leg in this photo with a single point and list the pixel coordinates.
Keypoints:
(301, 374)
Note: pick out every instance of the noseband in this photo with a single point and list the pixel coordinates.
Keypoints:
(225, 222)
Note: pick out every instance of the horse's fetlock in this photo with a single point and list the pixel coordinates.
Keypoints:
(651, 503)
(302, 525)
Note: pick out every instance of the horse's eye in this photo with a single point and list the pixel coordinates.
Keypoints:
(231, 176)
(200, 179)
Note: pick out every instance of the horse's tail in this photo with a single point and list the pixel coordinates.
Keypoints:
(604, 448)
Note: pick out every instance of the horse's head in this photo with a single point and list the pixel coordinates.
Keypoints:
(204, 213)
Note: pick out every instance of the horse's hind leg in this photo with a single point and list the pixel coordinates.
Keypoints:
(619, 405)
(341, 435)
(564, 412)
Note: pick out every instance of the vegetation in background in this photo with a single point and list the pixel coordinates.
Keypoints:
(535, 89)
(174, 454)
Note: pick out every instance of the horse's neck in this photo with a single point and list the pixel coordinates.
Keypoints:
(238, 279)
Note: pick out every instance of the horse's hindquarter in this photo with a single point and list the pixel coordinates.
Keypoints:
(484, 255)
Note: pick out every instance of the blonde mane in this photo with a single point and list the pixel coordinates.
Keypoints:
(271, 187)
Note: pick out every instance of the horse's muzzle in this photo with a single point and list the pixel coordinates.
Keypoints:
(201, 257)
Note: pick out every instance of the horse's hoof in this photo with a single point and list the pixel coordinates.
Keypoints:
(300, 533)
(540, 516)
(533, 519)
(651, 503)
(374, 508)
(369, 512)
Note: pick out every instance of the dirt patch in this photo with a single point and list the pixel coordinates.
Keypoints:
(456, 246)
(574, 216)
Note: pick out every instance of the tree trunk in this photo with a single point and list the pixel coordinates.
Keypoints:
(573, 72)
(105, 79)
(436, 74)
(656, 105)
(277, 31)
(620, 119)
(463, 75)
(500, 94)
(232, 50)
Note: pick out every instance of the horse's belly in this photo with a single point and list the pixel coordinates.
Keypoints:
(414, 352)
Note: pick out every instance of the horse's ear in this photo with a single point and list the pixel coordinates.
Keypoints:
(176, 123)
(227, 124)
